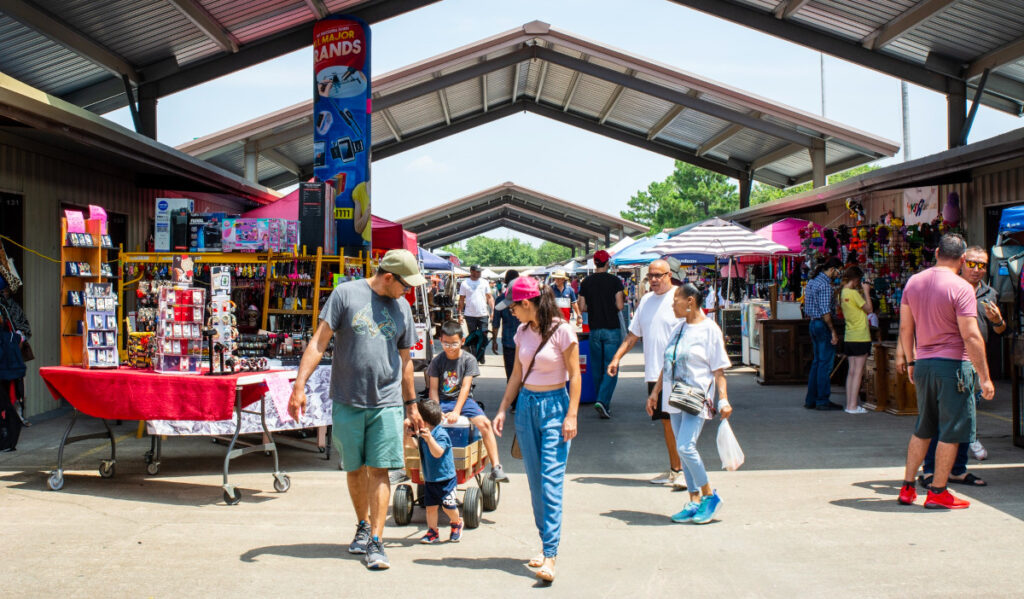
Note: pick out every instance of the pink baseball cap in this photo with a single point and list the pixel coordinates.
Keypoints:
(523, 288)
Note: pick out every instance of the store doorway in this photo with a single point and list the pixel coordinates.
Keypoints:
(12, 226)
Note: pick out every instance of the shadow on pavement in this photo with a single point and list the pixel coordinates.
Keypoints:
(502, 564)
(1001, 494)
(135, 488)
(302, 550)
(635, 518)
(611, 481)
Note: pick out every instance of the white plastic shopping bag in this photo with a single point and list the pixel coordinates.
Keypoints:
(728, 448)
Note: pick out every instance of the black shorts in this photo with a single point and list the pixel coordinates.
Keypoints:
(440, 493)
(945, 400)
(857, 348)
(658, 414)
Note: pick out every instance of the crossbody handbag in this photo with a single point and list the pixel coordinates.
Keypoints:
(688, 398)
(515, 451)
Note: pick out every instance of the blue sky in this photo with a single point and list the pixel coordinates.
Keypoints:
(557, 159)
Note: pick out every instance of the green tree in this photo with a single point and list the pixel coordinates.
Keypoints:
(498, 252)
(689, 194)
(549, 252)
(762, 193)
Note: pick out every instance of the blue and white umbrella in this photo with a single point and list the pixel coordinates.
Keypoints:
(720, 238)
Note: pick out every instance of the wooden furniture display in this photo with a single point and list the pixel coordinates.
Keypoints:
(72, 284)
(888, 390)
(876, 380)
(786, 352)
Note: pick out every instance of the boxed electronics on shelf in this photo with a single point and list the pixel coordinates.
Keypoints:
(178, 341)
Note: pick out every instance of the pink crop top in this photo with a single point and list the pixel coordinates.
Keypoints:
(550, 368)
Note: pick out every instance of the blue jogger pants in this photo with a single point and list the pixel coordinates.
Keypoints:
(539, 418)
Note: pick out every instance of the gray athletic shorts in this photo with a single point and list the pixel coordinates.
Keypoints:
(945, 400)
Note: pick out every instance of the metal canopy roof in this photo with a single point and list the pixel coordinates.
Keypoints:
(519, 209)
(47, 124)
(83, 50)
(933, 43)
(539, 69)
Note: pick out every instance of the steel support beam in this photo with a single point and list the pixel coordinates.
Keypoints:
(996, 58)
(770, 157)
(787, 8)
(540, 81)
(818, 165)
(440, 82)
(670, 95)
(613, 101)
(723, 136)
(573, 84)
(168, 77)
(956, 112)
(208, 25)
(966, 130)
(393, 127)
(753, 18)
(282, 161)
(746, 184)
(250, 161)
(64, 34)
(419, 138)
(318, 8)
(515, 81)
(665, 121)
(147, 113)
(637, 139)
(483, 91)
(910, 18)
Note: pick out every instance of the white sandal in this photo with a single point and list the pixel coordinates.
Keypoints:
(547, 573)
(536, 561)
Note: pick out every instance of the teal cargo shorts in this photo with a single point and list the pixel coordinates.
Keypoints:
(945, 400)
(369, 436)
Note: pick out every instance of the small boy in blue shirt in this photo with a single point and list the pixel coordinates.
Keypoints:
(437, 466)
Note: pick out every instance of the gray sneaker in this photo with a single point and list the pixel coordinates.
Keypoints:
(602, 411)
(363, 534)
(498, 474)
(375, 558)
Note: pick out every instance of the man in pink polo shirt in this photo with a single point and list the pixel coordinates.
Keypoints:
(940, 338)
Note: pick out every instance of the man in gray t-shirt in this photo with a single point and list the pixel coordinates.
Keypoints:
(371, 375)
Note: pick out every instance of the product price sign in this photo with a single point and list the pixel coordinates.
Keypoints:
(341, 136)
(76, 221)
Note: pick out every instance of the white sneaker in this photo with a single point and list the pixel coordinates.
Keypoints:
(662, 479)
(678, 481)
(857, 410)
(978, 451)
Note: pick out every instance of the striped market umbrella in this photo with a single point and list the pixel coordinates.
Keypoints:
(718, 238)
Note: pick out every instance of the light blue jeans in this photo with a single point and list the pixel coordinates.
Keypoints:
(603, 345)
(687, 428)
(539, 418)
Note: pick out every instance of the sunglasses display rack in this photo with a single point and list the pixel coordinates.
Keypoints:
(178, 344)
(222, 320)
(100, 327)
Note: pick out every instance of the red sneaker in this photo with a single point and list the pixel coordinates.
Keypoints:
(908, 495)
(945, 500)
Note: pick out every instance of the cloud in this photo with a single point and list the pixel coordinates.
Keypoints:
(426, 165)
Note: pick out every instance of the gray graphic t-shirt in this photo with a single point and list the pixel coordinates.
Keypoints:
(451, 373)
(369, 329)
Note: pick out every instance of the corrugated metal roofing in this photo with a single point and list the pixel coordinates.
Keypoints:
(161, 46)
(962, 37)
(581, 83)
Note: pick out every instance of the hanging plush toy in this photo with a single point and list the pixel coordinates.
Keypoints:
(856, 210)
(831, 243)
(951, 211)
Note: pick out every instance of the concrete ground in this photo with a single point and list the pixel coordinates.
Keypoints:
(812, 513)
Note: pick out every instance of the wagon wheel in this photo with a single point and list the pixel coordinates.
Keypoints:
(472, 507)
(491, 492)
(401, 507)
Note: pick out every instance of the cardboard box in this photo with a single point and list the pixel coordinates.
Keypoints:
(162, 220)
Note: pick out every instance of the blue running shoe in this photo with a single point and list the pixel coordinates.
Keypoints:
(709, 505)
(456, 533)
(362, 538)
(431, 537)
(375, 558)
(688, 512)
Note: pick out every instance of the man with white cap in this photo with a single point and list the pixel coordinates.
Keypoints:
(371, 380)
(565, 297)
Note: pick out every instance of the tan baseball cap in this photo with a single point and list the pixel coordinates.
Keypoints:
(403, 264)
(559, 274)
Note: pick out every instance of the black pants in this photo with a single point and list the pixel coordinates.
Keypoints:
(10, 424)
(509, 355)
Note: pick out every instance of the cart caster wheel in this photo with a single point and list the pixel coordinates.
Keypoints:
(491, 492)
(282, 482)
(148, 457)
(472, 507)
(232, 495)
(215, 441)
(153, 468)
(56, 480)
(322, 449)
(401, 507)
(107, 468)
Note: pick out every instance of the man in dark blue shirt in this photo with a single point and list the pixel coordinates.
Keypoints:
(818, 304)
(508, 324)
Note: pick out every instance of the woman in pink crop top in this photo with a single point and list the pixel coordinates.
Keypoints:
(546, 413)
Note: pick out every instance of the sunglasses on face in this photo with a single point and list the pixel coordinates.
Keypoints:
(656, 275)
(975, 264)
(405, 286)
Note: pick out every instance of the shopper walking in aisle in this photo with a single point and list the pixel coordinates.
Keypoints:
(989, 318)
(505, 324)
(602, 298)
(940, 338)
(818, 307)
(371, 375)
(695, 362)
(855, 302)
(565, 296)
(653, 322)
(14, 335)
(475, 302)
(547, 355)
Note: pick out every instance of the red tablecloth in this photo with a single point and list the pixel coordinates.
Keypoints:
(130, 394)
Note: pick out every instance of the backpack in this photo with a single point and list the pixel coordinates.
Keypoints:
(1005, 269)
(476, 343)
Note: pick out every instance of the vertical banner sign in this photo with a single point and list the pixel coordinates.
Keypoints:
(341, 139)
(920, 205)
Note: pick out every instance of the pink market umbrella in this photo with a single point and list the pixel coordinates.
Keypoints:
(787, 232)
